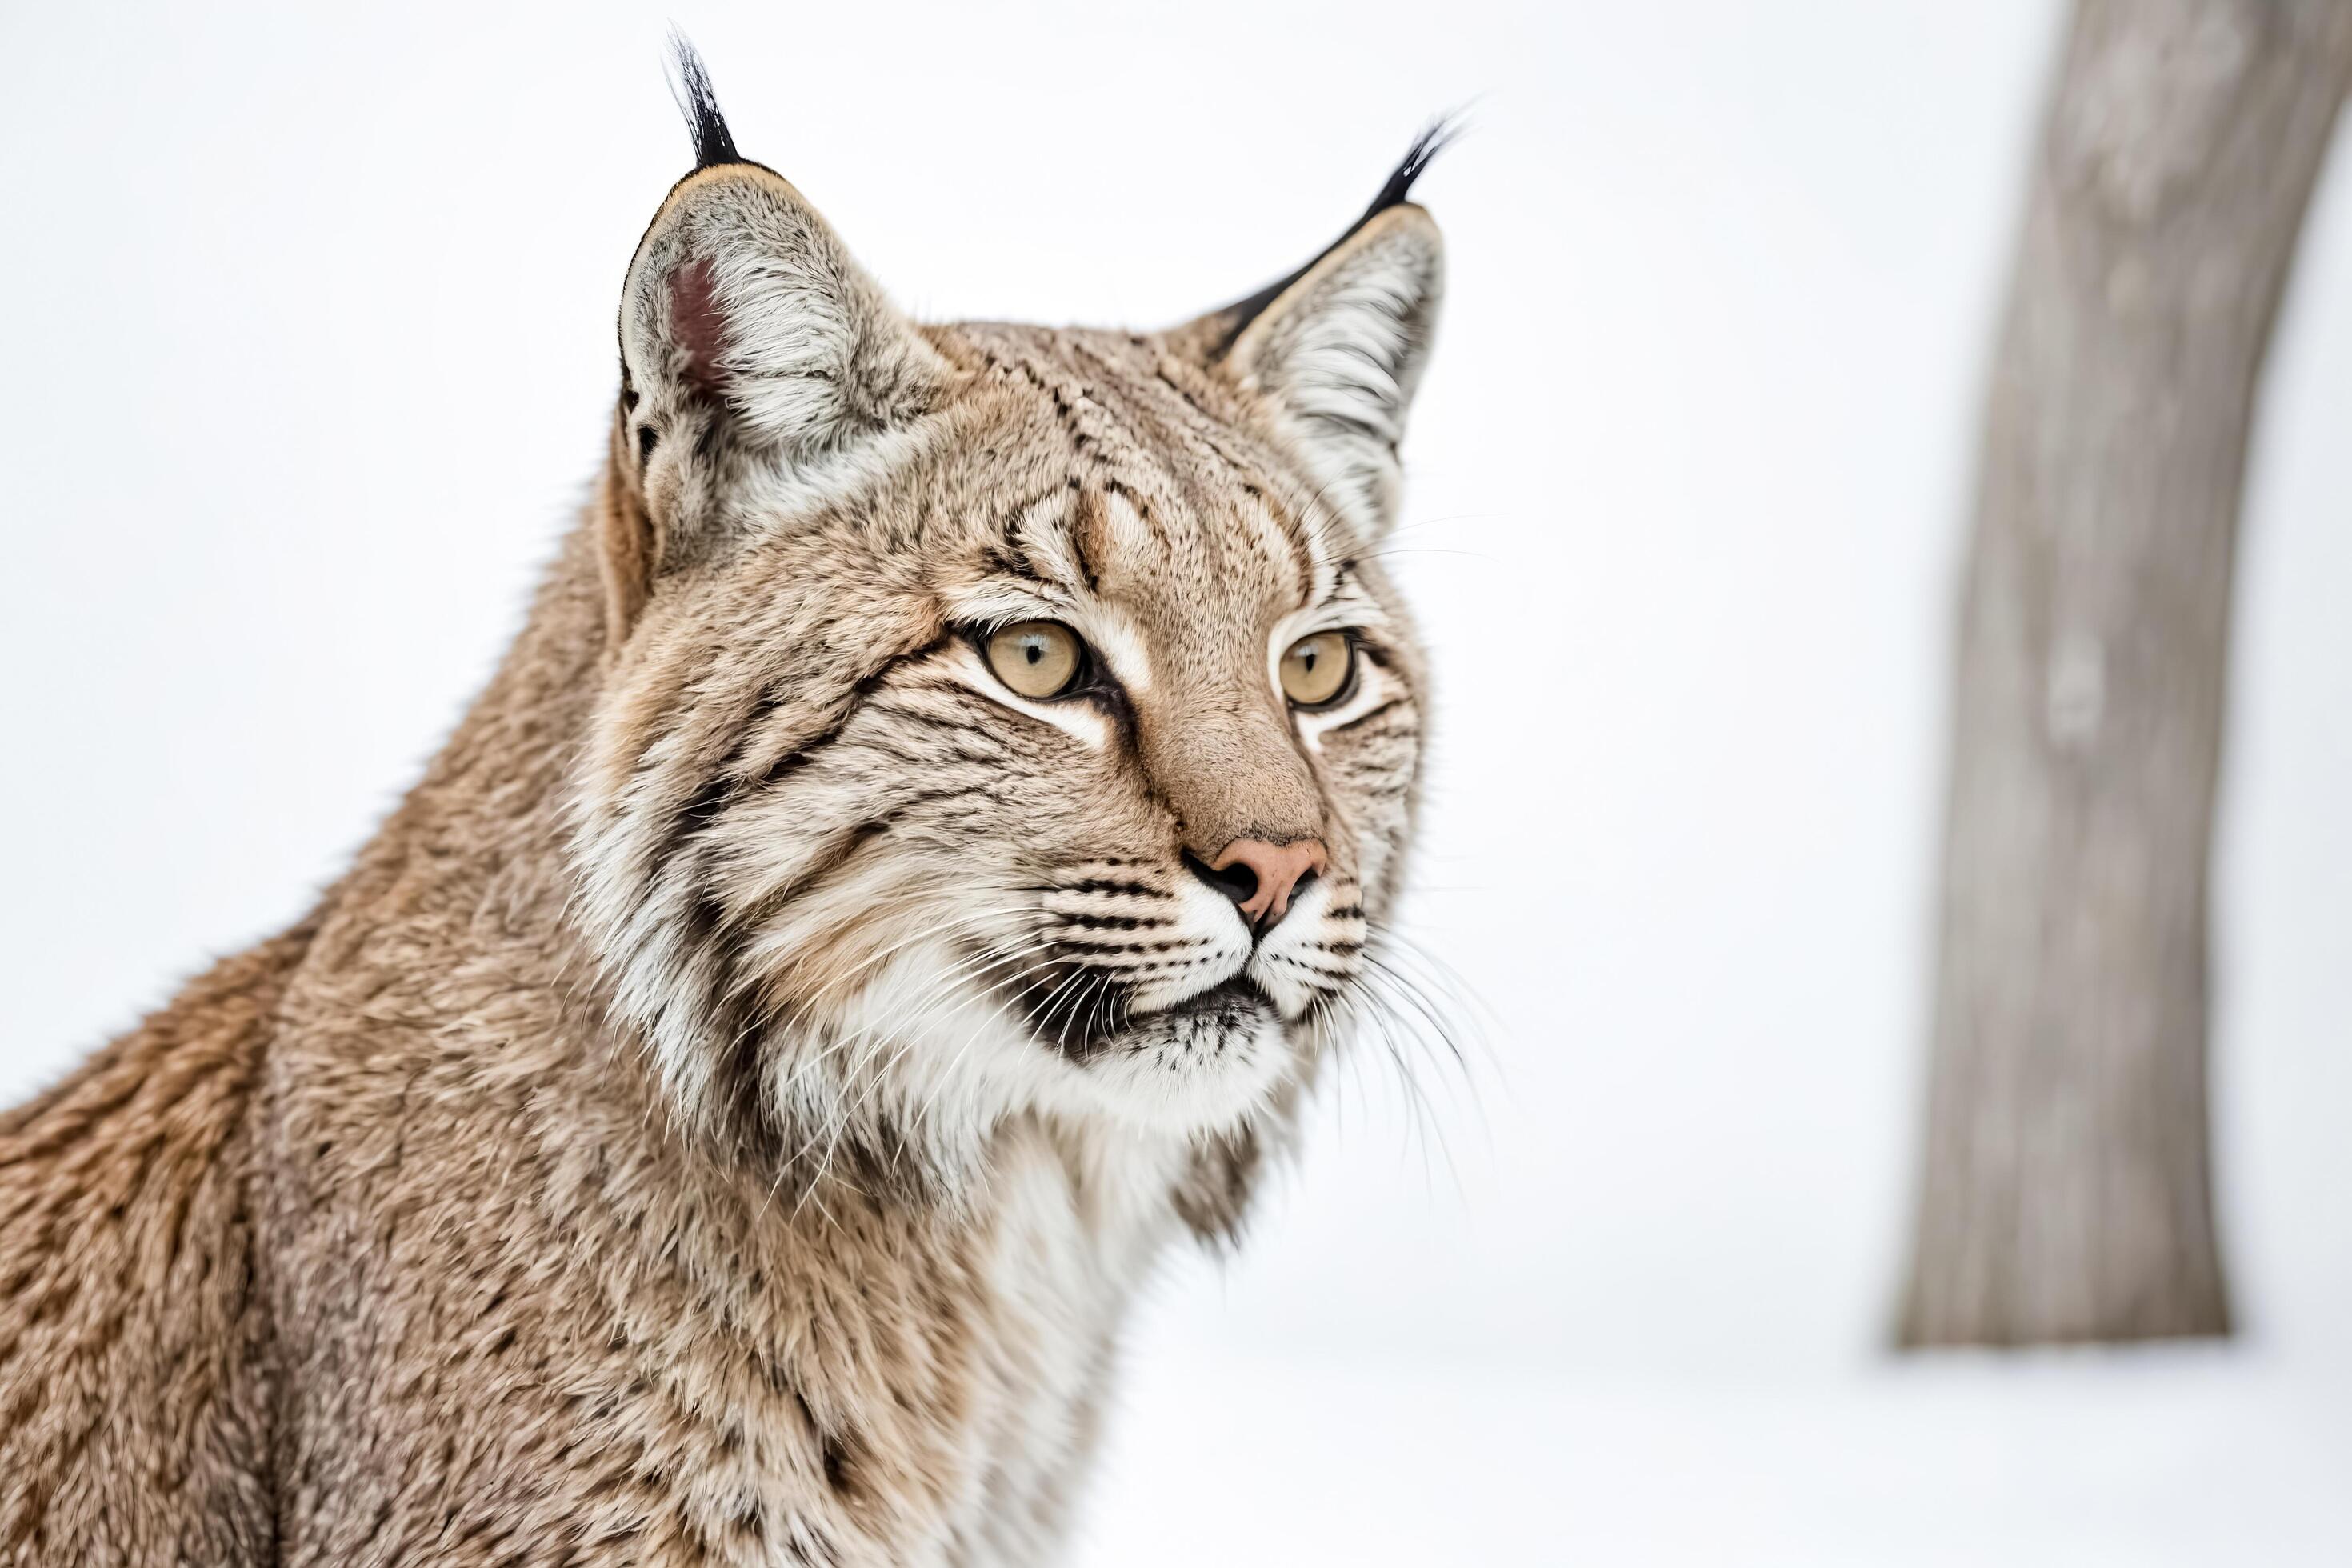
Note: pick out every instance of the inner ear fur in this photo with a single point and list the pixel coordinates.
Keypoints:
(752, 345)
(1337, 356)
(740, 293)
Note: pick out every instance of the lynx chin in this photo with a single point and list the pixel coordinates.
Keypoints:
(941, 812)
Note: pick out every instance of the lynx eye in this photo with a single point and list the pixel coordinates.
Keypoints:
(1037, 658)
(1315, 671)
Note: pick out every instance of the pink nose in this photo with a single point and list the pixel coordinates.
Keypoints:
(1260, 876)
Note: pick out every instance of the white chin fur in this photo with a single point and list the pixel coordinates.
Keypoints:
(1183, 1074)
(957, 1063)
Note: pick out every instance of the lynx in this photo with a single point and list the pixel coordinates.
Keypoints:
(941, 812)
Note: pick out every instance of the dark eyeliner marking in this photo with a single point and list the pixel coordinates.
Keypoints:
(1362, 718)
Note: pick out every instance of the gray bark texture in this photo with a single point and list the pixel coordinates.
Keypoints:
(2066, 1194)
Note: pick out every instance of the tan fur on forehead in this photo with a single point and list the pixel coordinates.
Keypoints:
(726, 1113)
(1161, 462)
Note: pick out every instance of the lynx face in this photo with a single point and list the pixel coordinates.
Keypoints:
(999, 719)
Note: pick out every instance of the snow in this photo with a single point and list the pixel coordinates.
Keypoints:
(2179, 1455)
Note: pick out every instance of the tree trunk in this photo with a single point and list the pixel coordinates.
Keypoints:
(2066, 1193)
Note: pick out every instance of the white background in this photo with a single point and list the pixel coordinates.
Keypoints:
(308, 357)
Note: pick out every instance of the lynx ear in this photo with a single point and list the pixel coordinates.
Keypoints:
(1335, 350)
(758, 359)
(746, 322)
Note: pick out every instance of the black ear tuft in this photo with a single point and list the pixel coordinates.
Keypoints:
(699, 104)
(1440, 134)
(1436, 137)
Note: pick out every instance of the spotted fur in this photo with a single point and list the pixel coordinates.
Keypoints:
(723, 1115)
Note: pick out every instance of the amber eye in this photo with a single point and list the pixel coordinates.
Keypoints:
(1037, 658)
(1315, 669)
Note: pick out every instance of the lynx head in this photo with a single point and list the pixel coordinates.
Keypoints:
(999, 720)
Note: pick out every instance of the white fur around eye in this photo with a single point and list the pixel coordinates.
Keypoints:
(1121, 646)
(1374, 685)
(1107, 629)
(1080, 720)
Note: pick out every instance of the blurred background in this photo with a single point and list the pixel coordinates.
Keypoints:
(308, 362)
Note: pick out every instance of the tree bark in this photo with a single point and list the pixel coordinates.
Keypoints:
(2066, 1193)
